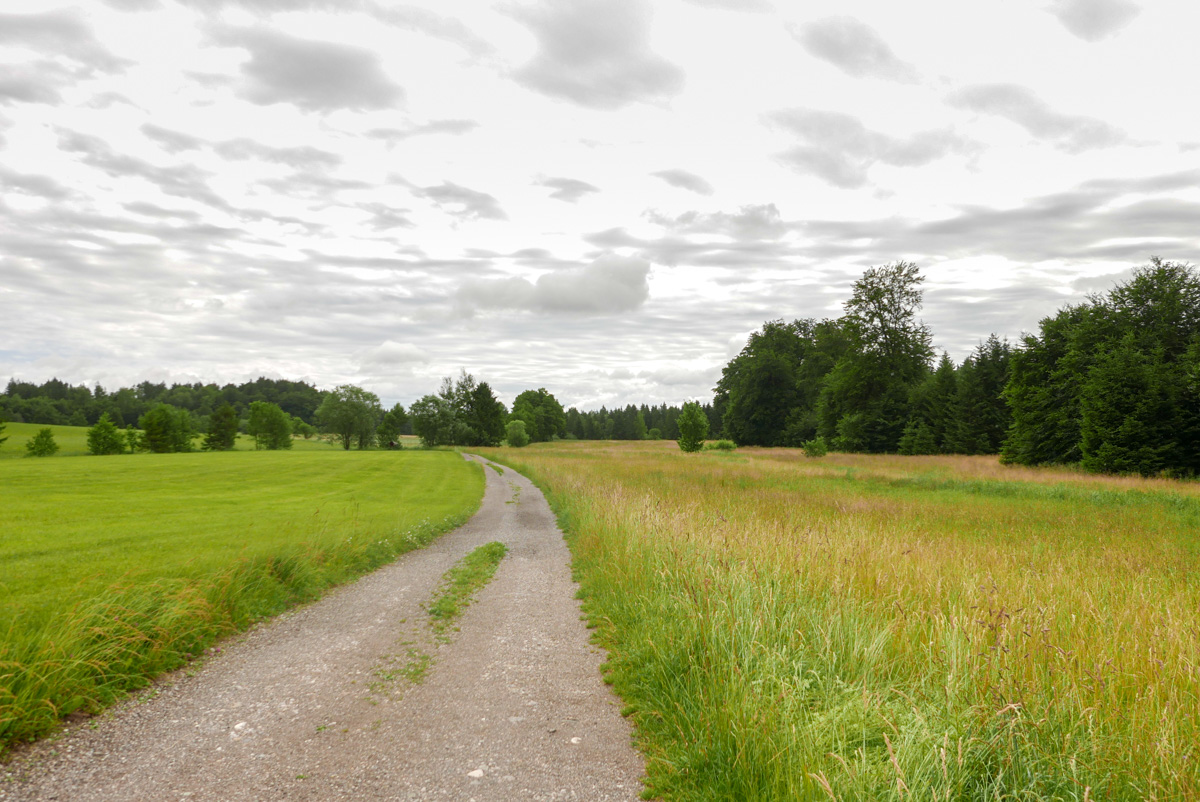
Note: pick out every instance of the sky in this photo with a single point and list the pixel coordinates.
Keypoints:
(599, 197)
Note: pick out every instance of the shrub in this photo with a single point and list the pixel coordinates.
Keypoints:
(515, 434)
(815, 448)
(720, 445)
(42, 444)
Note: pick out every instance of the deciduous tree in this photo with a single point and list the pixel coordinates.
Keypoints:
(352, 414)
(270, 426)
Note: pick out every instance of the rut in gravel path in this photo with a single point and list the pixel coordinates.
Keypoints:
(316, 705)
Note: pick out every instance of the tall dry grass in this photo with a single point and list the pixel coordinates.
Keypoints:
(889, 628)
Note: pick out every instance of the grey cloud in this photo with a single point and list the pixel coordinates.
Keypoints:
(839, 149)
(734, 5)
(854, 48)
(58, 33)
(568, 190)
(301, 158)
(463, 202)
(685, 180)
(134, 5)
(385, 217)
(597, 53)
(313, 75)
(392, 354)
(609, 285)
(446, 28)
(1023, 107)
(1093, 20)
(31, 184)
(313, 185)
(452, 127)
(173, 141)
(36, 83)
(749, 223)
(183, 181)
(1073, 225)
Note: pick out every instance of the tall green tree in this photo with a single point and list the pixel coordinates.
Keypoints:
(485, 416)
(391, 425)
(767, 394)
(270, 426)
(166, 429)
(3, 426)
(980, 415)
(435, 421)
(222, 429)
(693, 427)
(105, 438)
(931, 401)
(1127, 415)
(1107, 382)
(889, 351)
(351, 413)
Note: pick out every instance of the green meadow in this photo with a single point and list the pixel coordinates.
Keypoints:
(883, 628)
(113, 569)
(72, 441)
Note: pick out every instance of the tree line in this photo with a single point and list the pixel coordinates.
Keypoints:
(58, 403)
(1112, 383)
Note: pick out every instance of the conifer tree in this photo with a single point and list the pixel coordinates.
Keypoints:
(222, 429)
(105, 438)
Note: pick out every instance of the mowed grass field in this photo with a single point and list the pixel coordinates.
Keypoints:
(873, 627)
(115, 568)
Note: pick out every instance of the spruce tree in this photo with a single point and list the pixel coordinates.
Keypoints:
(41, 444)
(105, 438)
(222, 429)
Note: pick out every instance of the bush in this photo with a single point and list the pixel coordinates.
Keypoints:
(105, 437)
(515, 434)
(42, 444)
(720, 445)
(815, 448)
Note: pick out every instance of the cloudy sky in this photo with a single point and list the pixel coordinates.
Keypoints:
(601, 197)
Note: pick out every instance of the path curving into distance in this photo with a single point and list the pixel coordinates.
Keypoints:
(318, 704)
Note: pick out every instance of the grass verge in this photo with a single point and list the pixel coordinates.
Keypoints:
(884, 628)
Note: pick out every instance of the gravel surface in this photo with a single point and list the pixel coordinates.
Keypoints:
(315, 705)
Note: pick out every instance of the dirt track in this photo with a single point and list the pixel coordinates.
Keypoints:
(314, 705)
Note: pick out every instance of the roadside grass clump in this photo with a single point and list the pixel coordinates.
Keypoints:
(461, 582)
(117, 570)
(874, 628)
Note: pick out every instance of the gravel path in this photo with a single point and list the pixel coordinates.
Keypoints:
(315, 705)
